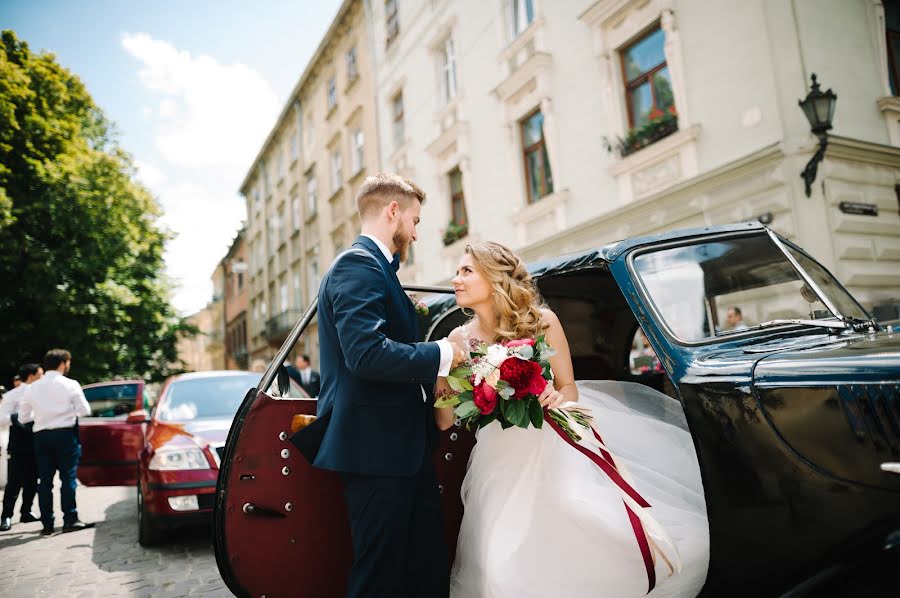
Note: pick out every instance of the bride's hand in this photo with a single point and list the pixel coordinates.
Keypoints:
(551, 398)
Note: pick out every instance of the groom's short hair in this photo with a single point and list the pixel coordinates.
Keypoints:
(378, 190)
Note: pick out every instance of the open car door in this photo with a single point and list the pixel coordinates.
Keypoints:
(109, 443)
(280, 525)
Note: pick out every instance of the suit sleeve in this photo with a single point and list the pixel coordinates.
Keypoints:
(358, 294)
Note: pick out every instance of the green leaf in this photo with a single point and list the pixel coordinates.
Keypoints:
(461, 372)
(448, 401)
(505, 424)
(456, 384)
(526, 351)
(501, 384)
(466, 410)
(536, 413)
(465, 384)
(517, 413)
(486, 419)
(506, 392)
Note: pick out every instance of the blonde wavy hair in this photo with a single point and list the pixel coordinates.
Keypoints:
(517, 302)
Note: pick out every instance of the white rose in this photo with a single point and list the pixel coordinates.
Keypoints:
(496, 355)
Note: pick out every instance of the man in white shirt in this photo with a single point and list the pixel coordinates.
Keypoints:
(54, 403)
(305, 376)
(735, 319)
(22, 467)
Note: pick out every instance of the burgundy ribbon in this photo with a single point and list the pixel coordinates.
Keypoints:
(605, 462)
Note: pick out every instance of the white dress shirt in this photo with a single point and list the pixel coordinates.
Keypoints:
(53, 402)
(10, 404)
(444, 344)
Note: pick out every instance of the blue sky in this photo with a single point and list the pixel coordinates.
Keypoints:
(194, 87)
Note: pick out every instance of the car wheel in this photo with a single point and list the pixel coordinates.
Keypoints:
(148, 531)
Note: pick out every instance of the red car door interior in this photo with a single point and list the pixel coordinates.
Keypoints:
(109, 443)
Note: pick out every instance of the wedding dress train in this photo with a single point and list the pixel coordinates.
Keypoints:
(543, 520)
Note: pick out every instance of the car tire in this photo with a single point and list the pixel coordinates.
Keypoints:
(149, 533)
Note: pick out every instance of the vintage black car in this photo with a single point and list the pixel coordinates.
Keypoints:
(795, 417)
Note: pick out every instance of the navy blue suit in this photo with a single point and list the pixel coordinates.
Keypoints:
(374, 427)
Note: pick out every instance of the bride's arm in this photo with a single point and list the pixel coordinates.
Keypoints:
(445, 417)
(564, 388)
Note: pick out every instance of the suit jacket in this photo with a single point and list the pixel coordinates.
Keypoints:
(371, 417)
(313, 387)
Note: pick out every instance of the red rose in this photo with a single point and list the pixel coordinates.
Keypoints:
(520, 342)
(485, 398)
(524, 376)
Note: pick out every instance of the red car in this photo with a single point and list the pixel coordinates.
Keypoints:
(171, 453)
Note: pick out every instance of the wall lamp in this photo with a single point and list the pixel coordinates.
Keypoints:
(819, 110)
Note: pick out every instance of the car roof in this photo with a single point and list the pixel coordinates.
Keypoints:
(112, 383)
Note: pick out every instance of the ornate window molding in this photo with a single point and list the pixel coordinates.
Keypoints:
(615, 24)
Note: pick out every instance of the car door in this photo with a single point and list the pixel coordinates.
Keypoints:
(109, 442)
(280, 525)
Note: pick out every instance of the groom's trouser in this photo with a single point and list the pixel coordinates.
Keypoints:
(398, 536)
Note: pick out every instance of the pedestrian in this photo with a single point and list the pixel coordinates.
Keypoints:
(22, 470)
(305, 376)
(54, 403)
(735, 318)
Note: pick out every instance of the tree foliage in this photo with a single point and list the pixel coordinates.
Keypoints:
(81, 248)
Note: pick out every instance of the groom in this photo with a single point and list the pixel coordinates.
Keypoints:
(375, 422)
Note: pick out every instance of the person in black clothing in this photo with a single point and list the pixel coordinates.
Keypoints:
(22, 465)
(305, 376)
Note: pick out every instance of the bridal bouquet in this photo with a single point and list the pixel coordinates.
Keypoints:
(502, 382)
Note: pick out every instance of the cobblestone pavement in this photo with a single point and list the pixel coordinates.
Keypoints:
(106, 560)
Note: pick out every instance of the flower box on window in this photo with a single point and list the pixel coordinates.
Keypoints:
(661, 124)
(455, 232)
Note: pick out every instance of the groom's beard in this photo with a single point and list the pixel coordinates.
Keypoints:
(402, 242)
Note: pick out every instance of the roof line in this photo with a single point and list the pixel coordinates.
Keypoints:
(335, 22)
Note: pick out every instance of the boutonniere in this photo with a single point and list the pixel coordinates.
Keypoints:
(421, 308)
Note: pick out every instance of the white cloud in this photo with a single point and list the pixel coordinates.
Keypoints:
(209, 113)
(209, 122)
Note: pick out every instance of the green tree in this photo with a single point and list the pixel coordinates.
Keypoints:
(81, 248)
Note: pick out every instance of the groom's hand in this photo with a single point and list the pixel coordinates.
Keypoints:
(459, 356)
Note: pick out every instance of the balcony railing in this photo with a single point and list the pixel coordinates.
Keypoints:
(277, 328)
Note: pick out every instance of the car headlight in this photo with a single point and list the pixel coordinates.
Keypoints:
(174, 459)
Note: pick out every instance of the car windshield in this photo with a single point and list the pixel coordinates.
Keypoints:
(214, 396)
(722, 287)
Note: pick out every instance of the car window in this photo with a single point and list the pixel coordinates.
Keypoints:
(214, 396)
(723, 287)
(112, 400)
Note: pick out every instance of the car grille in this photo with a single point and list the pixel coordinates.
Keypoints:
(873, 411)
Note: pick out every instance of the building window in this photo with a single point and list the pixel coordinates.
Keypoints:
(295, 147)
(457, 198)
(311, 200)
(295, 212)
(538, 178)
(892, 25)
(648, 85)
(298, 290)
(283, 294)
(282, 226)
(313, 276)
(521, 14)
(352, 67)
(448, 70)
(357, 142)
(332, 93)
(397, 112)
(337, 170)
(240, 281)
(391, 21)
(280, 164)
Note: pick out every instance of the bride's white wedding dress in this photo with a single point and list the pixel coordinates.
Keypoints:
(542, 520)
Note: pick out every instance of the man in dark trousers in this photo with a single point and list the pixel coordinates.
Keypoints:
(54, 403)
(375, 423)
(305, 376)
(22, 468)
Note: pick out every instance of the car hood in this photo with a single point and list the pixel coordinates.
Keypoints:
(212, 431)
(867, 359)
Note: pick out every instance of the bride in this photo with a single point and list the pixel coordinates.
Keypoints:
(541, 519)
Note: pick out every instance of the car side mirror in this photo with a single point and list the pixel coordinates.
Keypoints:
(141, 416)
